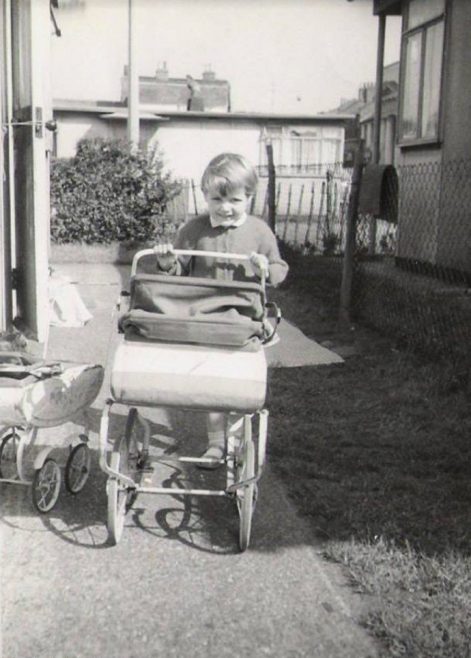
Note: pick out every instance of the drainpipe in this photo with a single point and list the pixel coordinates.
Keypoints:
(377, 114)
(133, 79)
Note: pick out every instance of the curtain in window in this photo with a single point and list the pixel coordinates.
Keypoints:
(432, 78)
(410, 109)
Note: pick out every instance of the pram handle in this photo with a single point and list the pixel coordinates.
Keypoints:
(192, 252)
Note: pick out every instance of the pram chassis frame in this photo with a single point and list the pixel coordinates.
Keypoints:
(240, 484)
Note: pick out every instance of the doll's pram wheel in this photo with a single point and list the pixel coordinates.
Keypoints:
(77, 468)
(46, 486)
(9, 455)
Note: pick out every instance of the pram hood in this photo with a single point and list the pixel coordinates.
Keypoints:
(195, 310)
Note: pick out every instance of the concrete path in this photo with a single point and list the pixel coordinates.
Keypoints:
(176, 585)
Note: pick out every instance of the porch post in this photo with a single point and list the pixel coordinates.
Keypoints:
(377, 115)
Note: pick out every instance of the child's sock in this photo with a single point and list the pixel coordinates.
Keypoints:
(215, 449)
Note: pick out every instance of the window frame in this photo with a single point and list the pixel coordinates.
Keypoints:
(407, 33)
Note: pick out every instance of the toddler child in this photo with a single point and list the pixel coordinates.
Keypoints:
(228, 185)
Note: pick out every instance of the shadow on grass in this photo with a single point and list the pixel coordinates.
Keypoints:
(367, 450)
(376, 447)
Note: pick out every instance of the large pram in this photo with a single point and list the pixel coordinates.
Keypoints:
(195, 344)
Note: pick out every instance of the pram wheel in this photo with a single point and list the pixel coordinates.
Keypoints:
(46, 486)
(246, 495)
(123, 459)
(9, 456)
(116, 503)
(77, 468)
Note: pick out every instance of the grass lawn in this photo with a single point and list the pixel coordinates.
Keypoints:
(377, 453)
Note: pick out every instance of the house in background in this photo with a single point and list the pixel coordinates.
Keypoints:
(433, 144)
(162, 92)
(364, 105)
(389, 108)
(303, 145)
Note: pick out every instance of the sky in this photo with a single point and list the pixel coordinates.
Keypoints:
(286, 56)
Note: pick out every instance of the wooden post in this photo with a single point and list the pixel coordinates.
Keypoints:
(309, 219)
(285, 232)
(352, 213)
(194, 196)
(271, 188)
(300, 208)
(319, 216)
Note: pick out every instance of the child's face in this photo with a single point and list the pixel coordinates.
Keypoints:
(228, 206)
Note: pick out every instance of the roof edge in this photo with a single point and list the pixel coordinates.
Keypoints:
(98, 107)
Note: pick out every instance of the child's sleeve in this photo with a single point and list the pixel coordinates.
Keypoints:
(277, 267)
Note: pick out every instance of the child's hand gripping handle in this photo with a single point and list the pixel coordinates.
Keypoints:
(258, 261)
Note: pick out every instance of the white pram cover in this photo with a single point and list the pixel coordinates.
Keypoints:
(48, 401)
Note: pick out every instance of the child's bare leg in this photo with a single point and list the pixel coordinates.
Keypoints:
(216, 427)
(235, 428)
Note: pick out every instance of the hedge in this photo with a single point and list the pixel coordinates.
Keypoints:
(110, 192)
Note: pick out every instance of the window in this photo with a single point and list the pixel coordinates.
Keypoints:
(301, 150)
(306, 149)
(422, 56)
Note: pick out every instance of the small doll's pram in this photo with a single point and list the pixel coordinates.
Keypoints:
(196, 344)
(36, 395)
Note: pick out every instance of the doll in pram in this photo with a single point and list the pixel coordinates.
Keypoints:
(197, 344)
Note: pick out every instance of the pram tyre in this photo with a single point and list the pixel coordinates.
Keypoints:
(121, 498)
(116, 503)
(9, 456)
(246, 494)
(46, 486)
(77, 468)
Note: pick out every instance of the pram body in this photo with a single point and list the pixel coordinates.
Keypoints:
(193, 344)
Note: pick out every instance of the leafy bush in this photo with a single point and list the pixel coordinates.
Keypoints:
(109, 192)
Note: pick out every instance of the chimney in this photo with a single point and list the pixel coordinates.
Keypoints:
(209, 75)
(161, 74)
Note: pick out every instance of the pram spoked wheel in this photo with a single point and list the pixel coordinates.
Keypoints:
(77, 468)
(124, 458)
(46, 486)
(246, 494)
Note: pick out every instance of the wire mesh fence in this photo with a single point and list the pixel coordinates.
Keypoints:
(416, 288)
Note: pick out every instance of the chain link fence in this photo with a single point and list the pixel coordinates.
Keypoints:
(418, 289)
